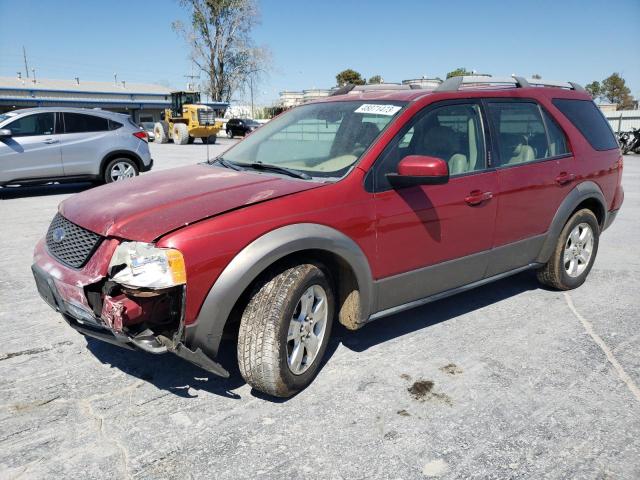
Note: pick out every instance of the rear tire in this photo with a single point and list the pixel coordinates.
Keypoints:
(120, 169)
(161, 131)
(285, 329)
(180, 134)
(229, 133)
(574, 254)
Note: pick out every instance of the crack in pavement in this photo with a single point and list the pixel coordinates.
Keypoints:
(85, 403)
(588, 326)
(33, 351)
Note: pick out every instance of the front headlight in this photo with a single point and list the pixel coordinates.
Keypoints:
(145, 265)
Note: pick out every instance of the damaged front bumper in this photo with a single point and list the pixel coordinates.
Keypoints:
(151, 321)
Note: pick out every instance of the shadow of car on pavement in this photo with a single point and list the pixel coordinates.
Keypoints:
(171, 373)
(8, 193)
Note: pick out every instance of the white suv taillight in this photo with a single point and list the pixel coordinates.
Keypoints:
(142, 135)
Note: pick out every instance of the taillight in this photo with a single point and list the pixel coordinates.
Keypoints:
(142, 135)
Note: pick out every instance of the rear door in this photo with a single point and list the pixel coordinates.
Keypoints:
(434, 238)
(32, 151)
(85, 139)
(534, 167)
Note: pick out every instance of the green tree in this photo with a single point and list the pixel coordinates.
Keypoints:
(594, 89)
(459, 72)
(615, 90)
(536, 76)
(349, 76)
(375, 79)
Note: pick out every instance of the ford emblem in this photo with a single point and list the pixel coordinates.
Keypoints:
(59, 234)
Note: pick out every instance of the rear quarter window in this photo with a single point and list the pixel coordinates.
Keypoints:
(588, 119)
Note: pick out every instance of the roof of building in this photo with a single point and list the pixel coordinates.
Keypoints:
(48, 84)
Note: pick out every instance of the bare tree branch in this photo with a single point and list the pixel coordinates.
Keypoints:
(221, 44)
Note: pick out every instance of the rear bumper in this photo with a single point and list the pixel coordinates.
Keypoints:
(611, 216)
(146, 168)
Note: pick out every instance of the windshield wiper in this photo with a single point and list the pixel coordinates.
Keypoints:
(276, 168)
(225, 163)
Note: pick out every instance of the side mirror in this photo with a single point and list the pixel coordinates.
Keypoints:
(419, 170)
(5, 133)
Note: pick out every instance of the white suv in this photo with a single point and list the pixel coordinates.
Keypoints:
(40, 145)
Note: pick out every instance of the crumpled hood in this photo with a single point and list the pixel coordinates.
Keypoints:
(146, 207)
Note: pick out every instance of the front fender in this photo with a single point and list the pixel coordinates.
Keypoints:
(255, 258)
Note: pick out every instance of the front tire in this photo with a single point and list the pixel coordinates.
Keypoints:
(180, 134)
(285, 329)
(210, 139)
(574, 254)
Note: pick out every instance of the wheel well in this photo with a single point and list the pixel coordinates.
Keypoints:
(595, 206)
(111, 156)
(340, 274)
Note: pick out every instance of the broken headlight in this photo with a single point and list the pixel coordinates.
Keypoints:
(143, 265)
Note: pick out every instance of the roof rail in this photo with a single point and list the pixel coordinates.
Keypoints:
(454, 84)
(373, 87)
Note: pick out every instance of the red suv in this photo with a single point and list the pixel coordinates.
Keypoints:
(352, 208)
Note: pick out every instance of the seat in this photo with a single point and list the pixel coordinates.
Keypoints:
(442, 142)
(521, 154)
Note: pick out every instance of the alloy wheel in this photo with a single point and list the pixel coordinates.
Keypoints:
(307, 329)
(578, 249)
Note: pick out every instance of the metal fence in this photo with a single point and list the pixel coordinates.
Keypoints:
(623, 120)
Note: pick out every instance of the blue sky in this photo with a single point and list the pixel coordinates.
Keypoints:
(311, 41)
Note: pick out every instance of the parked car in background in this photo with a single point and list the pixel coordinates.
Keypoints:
(148, 127)
(351, 208)
(39, 145)
(240, 127)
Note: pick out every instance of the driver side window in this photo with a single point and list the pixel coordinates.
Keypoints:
(36, 124)
(452, 132)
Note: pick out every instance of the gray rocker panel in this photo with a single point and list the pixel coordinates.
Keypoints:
(256, 258)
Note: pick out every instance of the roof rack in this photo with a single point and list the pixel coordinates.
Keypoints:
(373, 87)
(454, 84)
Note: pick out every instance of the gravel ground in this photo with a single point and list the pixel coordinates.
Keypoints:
(506, 381)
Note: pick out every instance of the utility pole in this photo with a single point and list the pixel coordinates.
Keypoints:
(26, 66)
(251, 88)
(190, 85)
(115, 79)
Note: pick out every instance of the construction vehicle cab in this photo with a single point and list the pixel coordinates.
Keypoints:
(188, 119)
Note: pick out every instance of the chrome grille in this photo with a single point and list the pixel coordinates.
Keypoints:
(206, 117)
(69, 243)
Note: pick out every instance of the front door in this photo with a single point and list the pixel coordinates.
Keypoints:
(33, 149)
(434, 238)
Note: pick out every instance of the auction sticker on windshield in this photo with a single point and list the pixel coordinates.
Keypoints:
(378, 109)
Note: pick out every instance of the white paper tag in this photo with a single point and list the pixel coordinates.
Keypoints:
(378, 109)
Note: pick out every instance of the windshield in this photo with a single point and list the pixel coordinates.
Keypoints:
(7, 116)
(320, 139)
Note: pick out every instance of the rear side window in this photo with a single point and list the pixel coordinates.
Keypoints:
(80, 123)
(36, 124)
(588, 119)
(521, 133)
(114, 125)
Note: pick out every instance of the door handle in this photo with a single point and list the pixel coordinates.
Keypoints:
(565, 178)
(49, 141)
(476, 197)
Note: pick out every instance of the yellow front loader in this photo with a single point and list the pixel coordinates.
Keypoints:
(186, 120)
